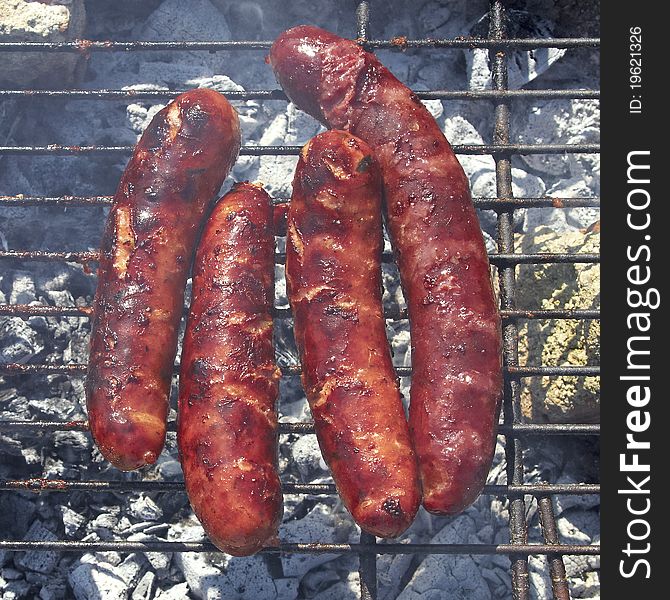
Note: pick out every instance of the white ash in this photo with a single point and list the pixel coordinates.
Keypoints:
(150, 517)
(523, 66)
(55, 21)
(562, 122)
(145, 588)
(72, 521)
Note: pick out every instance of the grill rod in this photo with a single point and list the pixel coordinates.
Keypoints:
(402, 43)
(513, 371)
(44, 310)
(39, 485)
(107, 94)
(518, 430)
(250, 150)
(481, 203)
(511, 408)
(399, 43)
(306, 548)
(500, 258)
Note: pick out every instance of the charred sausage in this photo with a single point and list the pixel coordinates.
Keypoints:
(333, 275)
(166, 191)
(228, 381)
(455, 325)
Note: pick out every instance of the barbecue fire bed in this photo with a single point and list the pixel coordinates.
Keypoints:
(517, 433)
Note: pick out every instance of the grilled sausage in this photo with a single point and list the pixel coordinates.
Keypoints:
(166, 191)
(333, 275)
(228, 381)
(455, 325)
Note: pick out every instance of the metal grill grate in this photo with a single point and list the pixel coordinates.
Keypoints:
(517, 433)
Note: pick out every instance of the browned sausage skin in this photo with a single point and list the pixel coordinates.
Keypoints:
(455, 324)
(228, 383)
(333, 274)
(166, 191)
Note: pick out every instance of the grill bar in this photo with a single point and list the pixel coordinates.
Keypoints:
(513, 428)
(367, 561)
(105, 94)
(34, 310)
(315, 548)
(559, 582)
(61, 485)
(86, 46)
(516, 372)
(499, 258)
(511, 394)
(249, 150)
(521, 429)
(481, 203)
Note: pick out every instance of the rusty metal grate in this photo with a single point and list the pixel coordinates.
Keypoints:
(518, 434)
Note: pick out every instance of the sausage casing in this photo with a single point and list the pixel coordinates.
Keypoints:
(164, 195)
(333, 275)
(455, 325)
(228, 382)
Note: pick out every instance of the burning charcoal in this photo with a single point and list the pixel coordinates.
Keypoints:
(281, 299)
(160, 561)
(10, 447)
(562, 122)
(169, 468)
(26, 21)
(23, 289)
(578, 527)
(287, 587)
(143, 508)
(16, 514)
(249, 579)
(454, 575)
(177, 592)
(34, 560)
(538, 572)
(51, 408)
(72, 446)
(15, 590)
(307, 457)
(498, 582)
(53, 468)
(245, 19)
(390, 571)
(10, 574)
(317, 525)
(174, 20)
(109, 558)
(131, 568)
(187, 530)
(144, 590)
(55, 588)
(18, 342)
(400, 344)
(72, 521)
(157, 516)
(568, 501)
(524, 185)
(103, 525)
(292, 127)
(524, 66)
(586, 585)
(97, 581)
(458, 127)
(37, 578)
(576, 187)
(343, 590)
(199, 573)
